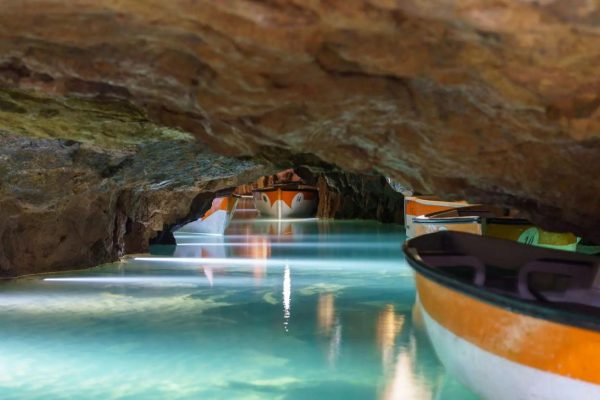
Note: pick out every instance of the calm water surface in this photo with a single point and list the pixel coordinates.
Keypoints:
(296, 310)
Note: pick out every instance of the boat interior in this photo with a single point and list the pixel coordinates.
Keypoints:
(556, 279)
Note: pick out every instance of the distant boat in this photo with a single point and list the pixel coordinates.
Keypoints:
(494, 222)
(415, 206)
(217, 218)
(510, 321)
(293, 201)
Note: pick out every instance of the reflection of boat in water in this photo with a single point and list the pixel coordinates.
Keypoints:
(508, 320)
(245, 208)
(212, 247)
(406, 355)
(415, 206)
(493, 222)
(209, 247)
(217, 218)
(257, 248)
(286, 201)
(389, 325)
(284, 229)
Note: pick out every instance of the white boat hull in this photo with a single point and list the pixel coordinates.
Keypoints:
(215, 224)
(216, 220)
(496, 378)
(286, 204)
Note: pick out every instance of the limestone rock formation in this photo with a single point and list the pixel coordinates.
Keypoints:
(351, 196)
(65, 205)
(494, 101)
(346, 195)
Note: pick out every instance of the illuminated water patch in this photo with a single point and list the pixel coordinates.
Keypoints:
(318, 311)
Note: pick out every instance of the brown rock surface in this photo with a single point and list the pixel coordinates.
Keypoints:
(66, 205)
(493, 100)
(345, 195)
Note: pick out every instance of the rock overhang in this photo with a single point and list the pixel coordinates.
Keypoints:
(495, 102)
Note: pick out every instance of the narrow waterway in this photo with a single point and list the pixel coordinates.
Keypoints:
(272, 310)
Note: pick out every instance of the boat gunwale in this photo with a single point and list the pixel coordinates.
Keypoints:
(433, 201)
(572, 318)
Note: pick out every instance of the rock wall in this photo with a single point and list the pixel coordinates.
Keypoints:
(344, 195)
(353, 196)
(495, 101)
(66, 205)
(285, 176)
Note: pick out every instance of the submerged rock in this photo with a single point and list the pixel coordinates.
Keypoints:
(64, 204)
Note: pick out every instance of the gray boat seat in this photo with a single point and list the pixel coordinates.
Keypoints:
(452, 261)
(574, 282)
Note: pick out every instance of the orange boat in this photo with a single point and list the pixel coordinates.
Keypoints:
(415, 206)
(217, 218)
(286, 201)
(510, 321)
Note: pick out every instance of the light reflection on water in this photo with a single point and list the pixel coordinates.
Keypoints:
(291, 322)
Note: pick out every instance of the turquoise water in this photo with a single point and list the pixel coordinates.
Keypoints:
(298, 310)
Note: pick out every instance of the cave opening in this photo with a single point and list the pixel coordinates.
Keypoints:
(305, 192)
(293, 193)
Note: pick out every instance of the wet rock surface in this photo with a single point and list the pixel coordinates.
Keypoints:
(66, 205)
(345, 195)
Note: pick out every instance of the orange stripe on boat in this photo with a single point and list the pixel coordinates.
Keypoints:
(287, 196)
(231, 203)
(416, 208)
(273, 196)
(534, 342)
(309, 195)
(218, 203)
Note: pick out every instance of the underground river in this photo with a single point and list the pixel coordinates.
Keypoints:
(272, 310)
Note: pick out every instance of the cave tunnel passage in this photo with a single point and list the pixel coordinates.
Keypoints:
(436, 238)
(300, 306)
(302, 194)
